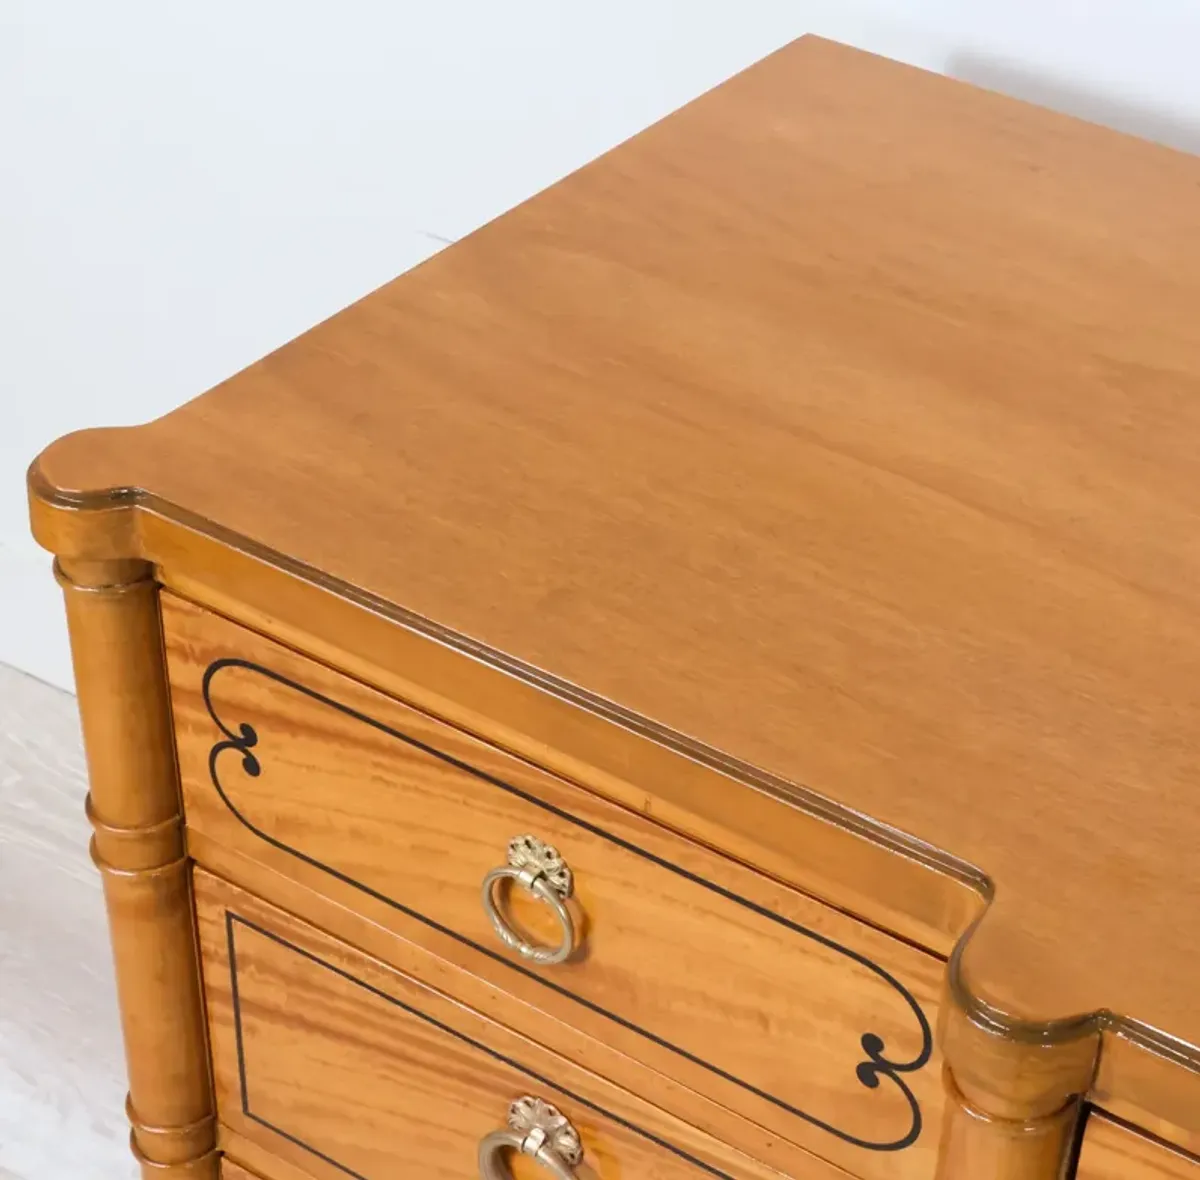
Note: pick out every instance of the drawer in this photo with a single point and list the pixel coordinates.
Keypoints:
(333, 1063)
(253, 1162)
(232, 1171)
(1113, 1151)
(789, 1013)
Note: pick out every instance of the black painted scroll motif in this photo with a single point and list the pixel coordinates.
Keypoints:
(236, 749)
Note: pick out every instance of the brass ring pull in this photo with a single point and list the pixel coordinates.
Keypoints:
(540, 870)
(537, 1129)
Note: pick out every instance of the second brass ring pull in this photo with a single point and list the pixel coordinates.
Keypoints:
(537, 1129)
(540, 870)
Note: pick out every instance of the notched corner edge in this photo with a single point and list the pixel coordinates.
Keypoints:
(100, 524)
(1021, 1068)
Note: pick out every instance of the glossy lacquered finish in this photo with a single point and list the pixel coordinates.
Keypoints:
(232, 1171)
(1113, 1151)
(816, 477)
(703, 970)
(133, 804)
(244, 1159)
(976, 1142)
(841, 421)
(338, 1064)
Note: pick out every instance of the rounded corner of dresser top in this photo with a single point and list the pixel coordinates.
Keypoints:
(77, 508)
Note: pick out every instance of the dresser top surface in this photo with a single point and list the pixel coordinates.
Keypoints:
(847, 421)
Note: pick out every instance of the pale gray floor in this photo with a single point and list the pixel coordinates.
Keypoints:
(62, 1083)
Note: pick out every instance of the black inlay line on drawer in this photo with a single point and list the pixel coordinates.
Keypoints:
(232, 921)
(868, 1072)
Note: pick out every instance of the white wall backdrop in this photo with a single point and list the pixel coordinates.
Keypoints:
(185, 187)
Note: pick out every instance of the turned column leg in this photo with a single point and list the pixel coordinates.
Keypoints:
(979, 1146)
(116, 646)
(1014, 1092)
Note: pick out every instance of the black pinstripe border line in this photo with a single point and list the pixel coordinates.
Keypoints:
(868, 1072)
(232, 920)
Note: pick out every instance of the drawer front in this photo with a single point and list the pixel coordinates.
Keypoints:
(254, 1162)
(781, 1009)
(339, 1065)
(1112, 1151)
(232, 1171)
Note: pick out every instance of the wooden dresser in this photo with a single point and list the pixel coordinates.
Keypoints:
(699, 679)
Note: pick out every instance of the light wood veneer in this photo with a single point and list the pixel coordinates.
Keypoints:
(816, 476)
(339, 1064)
(696, 966)
(1112, 1151)
(843, 420)
(232, 1171)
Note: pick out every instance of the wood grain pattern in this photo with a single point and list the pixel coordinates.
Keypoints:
(232, 1171)
(371, 1071)
(1129, 1084)
(882, 875)
(451, 971)
(258, 1161)
(1112, 1151)
(692, 964)
(976, 1144)
(844, 420)
(133, 804)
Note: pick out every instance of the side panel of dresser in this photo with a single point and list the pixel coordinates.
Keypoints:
(341, 1065)
(787, 1012)
(1112, 1151)
(133, 803)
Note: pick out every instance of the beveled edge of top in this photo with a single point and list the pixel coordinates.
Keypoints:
(1049, 1062)
(101, 525)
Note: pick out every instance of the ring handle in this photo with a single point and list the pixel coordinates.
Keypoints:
(537, 1129)
(540, 870)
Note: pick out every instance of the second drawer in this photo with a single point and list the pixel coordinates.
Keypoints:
(787, 1012)
(331, 1063)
